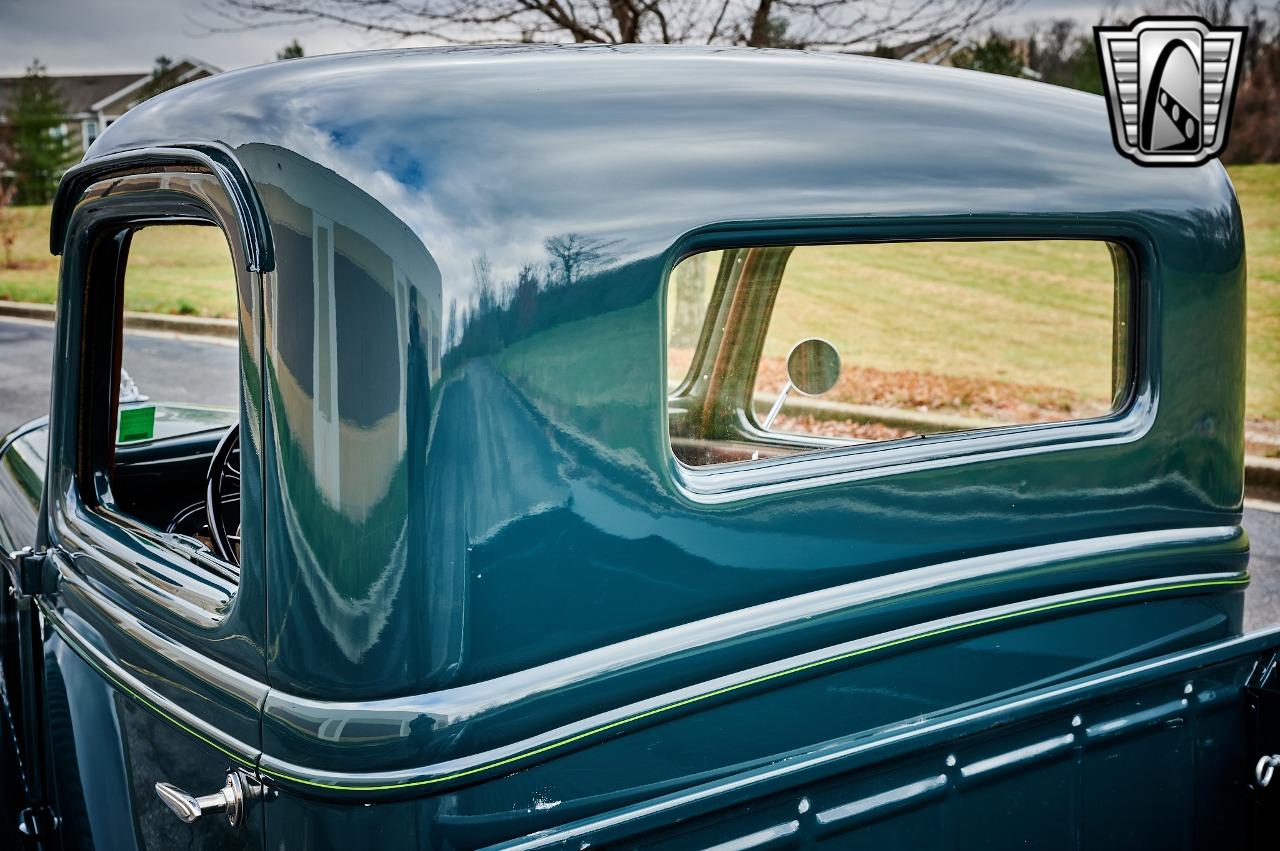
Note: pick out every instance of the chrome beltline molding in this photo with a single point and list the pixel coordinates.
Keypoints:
(240, 752)
(464, 703)
(523, 752)
(440, 775)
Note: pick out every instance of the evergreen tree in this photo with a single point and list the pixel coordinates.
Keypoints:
(1062, 54)
(161, 78)
(292, 50)
(38, 141)
(996, 55)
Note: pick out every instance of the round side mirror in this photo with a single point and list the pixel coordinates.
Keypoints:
(813, 367)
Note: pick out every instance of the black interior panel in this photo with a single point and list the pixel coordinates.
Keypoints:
(156, 481)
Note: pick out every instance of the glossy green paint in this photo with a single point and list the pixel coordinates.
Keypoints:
(122, 600)
(487, 601)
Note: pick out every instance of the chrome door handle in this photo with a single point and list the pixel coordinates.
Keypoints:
(1266, 769)
(232, 799)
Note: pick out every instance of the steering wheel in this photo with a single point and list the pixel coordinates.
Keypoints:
(222, 496)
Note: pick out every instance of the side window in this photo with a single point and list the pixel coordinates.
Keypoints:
(176, 399)
(779, 350)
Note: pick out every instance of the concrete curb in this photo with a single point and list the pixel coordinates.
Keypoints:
(27, 310)
(196, 326)
(1261, 475)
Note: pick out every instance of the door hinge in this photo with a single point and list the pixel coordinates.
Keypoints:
(26, 570)
(26, 575)
(38, 823)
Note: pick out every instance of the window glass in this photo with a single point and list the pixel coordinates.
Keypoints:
(777, 350)
(178, 396)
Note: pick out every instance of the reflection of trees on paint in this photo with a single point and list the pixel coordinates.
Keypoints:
(574, 256)
(539, 296)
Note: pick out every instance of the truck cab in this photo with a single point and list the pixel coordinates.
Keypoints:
(560, 500)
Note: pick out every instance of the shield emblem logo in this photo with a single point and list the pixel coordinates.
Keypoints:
(1170, 85)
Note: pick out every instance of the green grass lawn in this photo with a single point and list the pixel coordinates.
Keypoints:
(1035, 314)
(1259, 189)
(183, 269)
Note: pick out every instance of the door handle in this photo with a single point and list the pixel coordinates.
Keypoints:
(1266, 769)
(232, 799)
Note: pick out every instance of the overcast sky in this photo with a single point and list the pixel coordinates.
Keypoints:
(98, 36)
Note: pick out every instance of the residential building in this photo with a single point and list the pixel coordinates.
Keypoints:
(93, 101)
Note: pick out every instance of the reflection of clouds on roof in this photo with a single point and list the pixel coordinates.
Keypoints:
(496, 150)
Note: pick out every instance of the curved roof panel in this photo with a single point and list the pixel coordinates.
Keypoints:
(498, 149)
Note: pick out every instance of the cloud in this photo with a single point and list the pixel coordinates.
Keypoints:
(101, 36)
(87, 37)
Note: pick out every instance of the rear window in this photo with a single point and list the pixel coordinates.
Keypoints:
(780, 350)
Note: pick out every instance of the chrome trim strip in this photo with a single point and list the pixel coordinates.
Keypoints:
(239, 751)
(440, 774)
(694, 643)
(862, 810)
(327, 718)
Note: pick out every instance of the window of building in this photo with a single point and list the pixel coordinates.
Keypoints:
(780, 350)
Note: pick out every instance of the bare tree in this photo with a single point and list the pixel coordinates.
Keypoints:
(1262, 20)
(575, 256)
(1255, 121)
(1062, 52)
(757, 23)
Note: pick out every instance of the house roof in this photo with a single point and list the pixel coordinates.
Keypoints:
(182, 71)
(79, 91)
(91, 92)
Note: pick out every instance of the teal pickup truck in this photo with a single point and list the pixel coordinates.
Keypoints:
(626, 447)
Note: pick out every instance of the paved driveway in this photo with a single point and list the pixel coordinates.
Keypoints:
(187, 370)
(164, 367)
(1262, 600)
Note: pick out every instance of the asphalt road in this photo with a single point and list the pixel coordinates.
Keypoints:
(163, 366)
(1262, 600)
(189, 370)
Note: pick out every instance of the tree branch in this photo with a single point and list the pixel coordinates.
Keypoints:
(847, 24)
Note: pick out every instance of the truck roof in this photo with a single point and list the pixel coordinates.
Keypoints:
(494, 149)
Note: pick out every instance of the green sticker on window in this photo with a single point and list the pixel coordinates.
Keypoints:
(137, 424)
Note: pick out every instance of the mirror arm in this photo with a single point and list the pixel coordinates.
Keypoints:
(777, 405)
